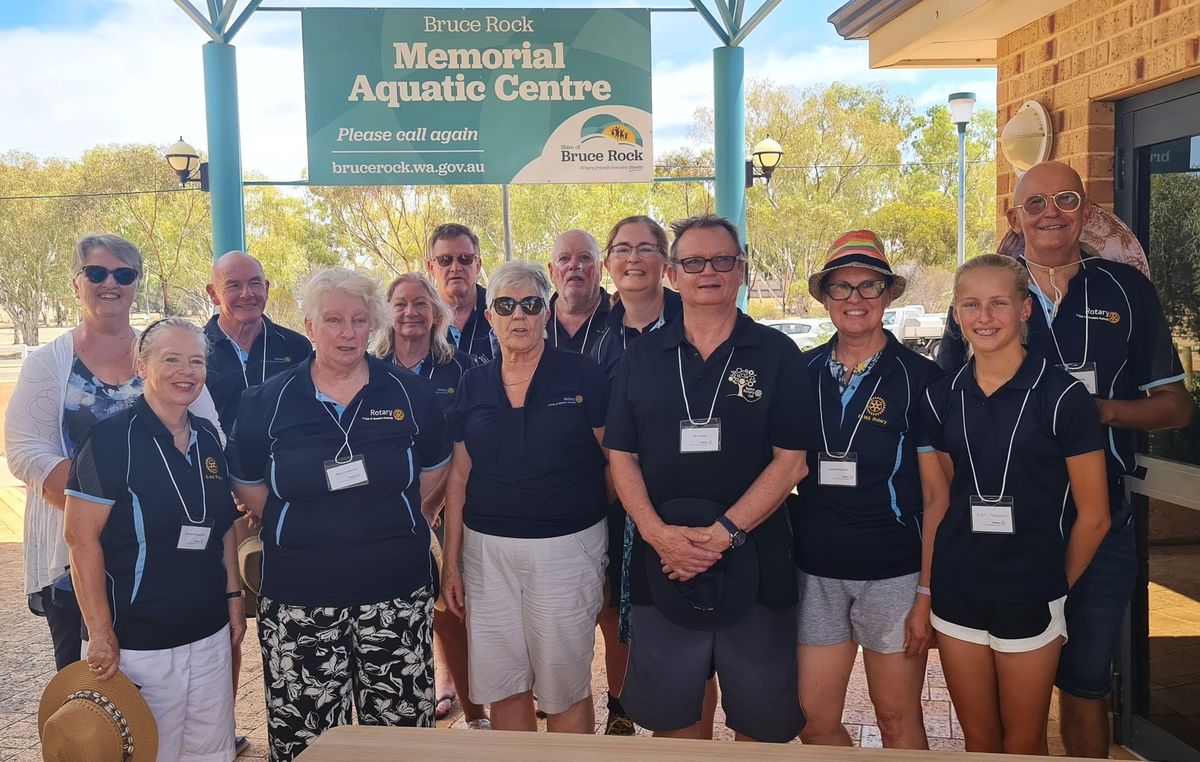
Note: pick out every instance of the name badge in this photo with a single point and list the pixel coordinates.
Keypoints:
(194, 536)
(345, 474)
(700, 437)
(992, 516)
(834, 471)
(1085, 372)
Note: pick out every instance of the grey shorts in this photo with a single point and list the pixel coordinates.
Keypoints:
(869, 612)
(754, 660)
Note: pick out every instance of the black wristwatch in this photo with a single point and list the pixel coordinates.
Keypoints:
(737, 537)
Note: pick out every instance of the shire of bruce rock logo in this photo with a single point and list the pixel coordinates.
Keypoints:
(745, 381)
(605, 139)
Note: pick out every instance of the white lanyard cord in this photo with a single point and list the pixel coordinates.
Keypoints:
(821, 411)
(586, 329)
(1087, 326)
(246, 378)
(717, 393)
(654, 327)
(199, 469)
(345, 433)
(1008, 459)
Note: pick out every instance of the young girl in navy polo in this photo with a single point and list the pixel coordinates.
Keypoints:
(1021, 446)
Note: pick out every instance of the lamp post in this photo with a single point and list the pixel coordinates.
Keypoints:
(961, 106)
(186, 163)
(762, 163)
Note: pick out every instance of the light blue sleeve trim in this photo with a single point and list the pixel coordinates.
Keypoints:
(90, 498)
(926, 448)
(233, 478)
(1163, 382)
(439, 465)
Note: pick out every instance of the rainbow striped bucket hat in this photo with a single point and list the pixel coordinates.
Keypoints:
(858, 248)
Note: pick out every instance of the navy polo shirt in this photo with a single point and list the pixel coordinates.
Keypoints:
(443, 379)
(475, 338)
(536, 470)
(611, 346)
(274, 350)
(588, 334)
(764, 399)
(160, 596)
(1060, 421)
(352, 546)
(872, 531)
(1124, 333)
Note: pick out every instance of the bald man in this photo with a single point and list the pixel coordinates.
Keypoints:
(1102, 322)
(246, 347)
(579, 307)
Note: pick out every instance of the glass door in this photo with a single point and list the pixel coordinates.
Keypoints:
(1158, 194)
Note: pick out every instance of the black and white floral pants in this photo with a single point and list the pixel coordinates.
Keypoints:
(317, 661)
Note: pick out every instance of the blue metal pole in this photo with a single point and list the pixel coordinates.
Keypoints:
(729, 140)
(224, 148)
(962, 192)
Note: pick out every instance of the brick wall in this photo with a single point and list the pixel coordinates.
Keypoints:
(1077, 62)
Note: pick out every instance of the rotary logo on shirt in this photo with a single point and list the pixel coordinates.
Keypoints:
(212, 468)
(745, 381)
(576, 399)
(395, 414)
(1109, 316)
(876, 407)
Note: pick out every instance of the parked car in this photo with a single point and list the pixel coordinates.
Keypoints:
(806, 332)
(915, 328)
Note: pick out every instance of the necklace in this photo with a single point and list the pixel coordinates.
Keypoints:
(186, 426)
(1051, 271)
(516, 383)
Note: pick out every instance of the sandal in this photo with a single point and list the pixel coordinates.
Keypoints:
(447, 699)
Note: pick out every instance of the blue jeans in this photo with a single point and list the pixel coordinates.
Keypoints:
(1095, 610)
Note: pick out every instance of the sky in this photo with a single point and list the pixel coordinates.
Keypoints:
(79, 73)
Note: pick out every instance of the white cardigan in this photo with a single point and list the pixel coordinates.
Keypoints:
(34, 445)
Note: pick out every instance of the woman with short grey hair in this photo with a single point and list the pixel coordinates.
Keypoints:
(333, 456)
(83, 376)
(526, 535)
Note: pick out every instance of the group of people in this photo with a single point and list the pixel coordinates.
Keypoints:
(475, 478)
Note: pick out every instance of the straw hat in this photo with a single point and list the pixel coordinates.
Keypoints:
(250, 563)
(81, 719)
(858, 248)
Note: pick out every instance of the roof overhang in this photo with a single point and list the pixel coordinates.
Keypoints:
(936, 33)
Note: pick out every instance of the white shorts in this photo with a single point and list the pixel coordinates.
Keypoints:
(190, 693)
(1010, 628)
(531, 614)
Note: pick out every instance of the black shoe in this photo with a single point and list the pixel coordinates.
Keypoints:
(240, 744)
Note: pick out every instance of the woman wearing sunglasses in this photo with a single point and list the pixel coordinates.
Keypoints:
(525, 515)
(84, 376)
(858, 514)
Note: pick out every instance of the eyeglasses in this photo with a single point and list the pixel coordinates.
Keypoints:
(868, 289)
(445, 260)
(1066, 201)
(506, 305)
(722, 263)
(625, 251)
(99, 273)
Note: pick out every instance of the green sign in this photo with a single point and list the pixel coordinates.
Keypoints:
(477, 96)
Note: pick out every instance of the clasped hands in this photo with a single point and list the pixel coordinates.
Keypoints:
(688, 551)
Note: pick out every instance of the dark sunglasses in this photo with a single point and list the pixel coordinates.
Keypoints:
(1066, 201)
(721, 264)
(868, 289)
(445, 260)
(99, 273)
(506, 305)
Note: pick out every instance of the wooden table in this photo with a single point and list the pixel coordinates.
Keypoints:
(356, 743)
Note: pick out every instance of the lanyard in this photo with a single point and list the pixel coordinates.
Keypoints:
(821, 410)
(1087, 326)
(657, 324)
(199, 470)
(246, 378)
(345, 432)
(717, 393)
(1008, 458)
(419, 368)
(587, 329)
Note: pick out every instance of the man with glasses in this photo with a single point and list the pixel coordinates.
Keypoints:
(711, 414)
(579, 307)
(1102, 322)
(247, 347)
(452, 256)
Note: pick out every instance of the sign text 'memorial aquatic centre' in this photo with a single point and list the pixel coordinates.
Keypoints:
(437, 96)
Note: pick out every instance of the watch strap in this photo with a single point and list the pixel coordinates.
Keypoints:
(733, 529)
